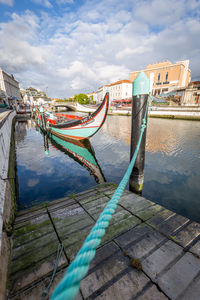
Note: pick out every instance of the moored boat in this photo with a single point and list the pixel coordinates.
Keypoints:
(23, 109)
(77, 128)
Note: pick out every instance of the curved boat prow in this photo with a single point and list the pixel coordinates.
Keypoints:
(81, 128)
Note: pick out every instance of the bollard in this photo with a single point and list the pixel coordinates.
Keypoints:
(141, 89)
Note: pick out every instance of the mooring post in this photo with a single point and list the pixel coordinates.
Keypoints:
(141, 89)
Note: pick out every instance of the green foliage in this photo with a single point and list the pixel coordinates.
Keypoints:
(81, 98)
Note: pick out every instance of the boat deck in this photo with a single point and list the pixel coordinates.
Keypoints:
(148, 252)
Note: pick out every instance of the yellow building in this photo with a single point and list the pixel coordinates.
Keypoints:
(165, 76)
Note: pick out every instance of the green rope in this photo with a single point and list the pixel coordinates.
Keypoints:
(69, 285)
(58, 256)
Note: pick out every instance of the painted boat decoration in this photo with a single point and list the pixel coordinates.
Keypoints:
(80, 150)
(79, 128)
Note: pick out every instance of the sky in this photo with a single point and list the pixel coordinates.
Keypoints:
(65, 47)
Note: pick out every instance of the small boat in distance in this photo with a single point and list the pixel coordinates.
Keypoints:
(77, 128)
(23, 109)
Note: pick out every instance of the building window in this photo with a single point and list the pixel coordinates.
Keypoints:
(166, 77)
(158, 77)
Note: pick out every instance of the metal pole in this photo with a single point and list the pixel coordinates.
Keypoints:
(141, 88)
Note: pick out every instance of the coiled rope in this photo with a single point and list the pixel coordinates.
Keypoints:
(69, 285)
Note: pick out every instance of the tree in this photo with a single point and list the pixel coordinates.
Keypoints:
(81, 98)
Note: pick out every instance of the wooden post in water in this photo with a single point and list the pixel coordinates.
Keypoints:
(141, 89)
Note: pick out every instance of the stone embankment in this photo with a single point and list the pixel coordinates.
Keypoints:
(178, 112)
(7, 194)
(170, 112)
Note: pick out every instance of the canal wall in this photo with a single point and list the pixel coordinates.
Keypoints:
(184, 113)
(7, 194)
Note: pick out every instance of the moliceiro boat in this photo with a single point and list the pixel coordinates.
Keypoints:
(77, 128)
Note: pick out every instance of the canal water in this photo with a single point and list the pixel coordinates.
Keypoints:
(50, 169)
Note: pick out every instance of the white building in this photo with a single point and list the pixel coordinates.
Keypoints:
(92, 96)
(101, 92)
(120, 90)
(33, 96)
(9, 86)
(3, 98)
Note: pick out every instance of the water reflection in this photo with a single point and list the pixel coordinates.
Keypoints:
(50, 168)
(21, 130)
(81, 151)
(172, 163)
(165, 136)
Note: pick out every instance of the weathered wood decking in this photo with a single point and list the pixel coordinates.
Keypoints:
(166, 244)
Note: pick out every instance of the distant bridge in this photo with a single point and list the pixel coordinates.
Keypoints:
(70, 105)
(74, 106)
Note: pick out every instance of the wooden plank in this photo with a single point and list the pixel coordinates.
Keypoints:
(166, 245)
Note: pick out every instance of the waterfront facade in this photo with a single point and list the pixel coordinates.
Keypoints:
(191, 95)
(9, 87)
(34, 96)
(120, 90)
(3, 99)
(92, 97)
(101, 92)
(166, 76)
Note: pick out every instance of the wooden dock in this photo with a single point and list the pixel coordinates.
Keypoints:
(148, 252)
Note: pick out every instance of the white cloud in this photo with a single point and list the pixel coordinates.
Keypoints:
(17, 39)
(65, 1)
(89, 47)
(32, 182)
(45, 3)
(158, 12)
(7, 2)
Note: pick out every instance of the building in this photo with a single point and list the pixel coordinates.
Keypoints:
(101, 92)
(3, 99)
(166, 76)
(120, 90)
(191, 95)
(34, 96)
(92, 97)
(9, 88)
